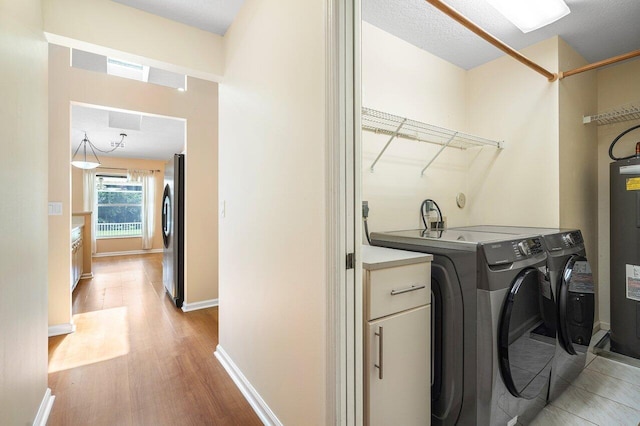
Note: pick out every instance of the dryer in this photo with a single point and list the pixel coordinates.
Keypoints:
(574, 291)
(491, 344)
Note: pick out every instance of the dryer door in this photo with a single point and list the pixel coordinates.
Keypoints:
(576, 306)
(526, 336)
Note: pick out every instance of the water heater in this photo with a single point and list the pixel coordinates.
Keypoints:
(625, 256)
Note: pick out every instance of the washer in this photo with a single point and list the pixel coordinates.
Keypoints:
(490, 362)
(572, 282)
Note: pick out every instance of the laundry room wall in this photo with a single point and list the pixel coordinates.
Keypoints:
(578, 149)
(401, 79)
(198, 105)
(508, 101)
(618, 85)
(123, 245)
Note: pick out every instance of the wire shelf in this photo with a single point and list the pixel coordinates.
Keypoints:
(619, 114)
(400, 127)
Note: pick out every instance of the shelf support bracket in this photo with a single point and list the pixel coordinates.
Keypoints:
(393, 136)
(438, 153)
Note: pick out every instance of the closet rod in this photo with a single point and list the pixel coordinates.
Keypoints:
(457, 16)
(599, 64)
(122, 168)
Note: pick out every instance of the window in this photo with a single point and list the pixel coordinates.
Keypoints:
(119, 207)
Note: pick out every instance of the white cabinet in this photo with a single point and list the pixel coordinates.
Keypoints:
(77, 256)
(397, 332)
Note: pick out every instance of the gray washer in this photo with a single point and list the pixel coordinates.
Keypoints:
(573, 289)
(489, 297)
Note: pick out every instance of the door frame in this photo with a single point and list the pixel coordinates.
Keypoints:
(343, 178)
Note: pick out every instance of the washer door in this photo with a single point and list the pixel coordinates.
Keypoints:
(166, 216)
(526, 336)
(576, 306)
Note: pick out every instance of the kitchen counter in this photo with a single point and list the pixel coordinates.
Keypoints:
(380, 258)
(76, 222)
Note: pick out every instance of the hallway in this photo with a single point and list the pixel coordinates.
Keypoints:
(137, 360)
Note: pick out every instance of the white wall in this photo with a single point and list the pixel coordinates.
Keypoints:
(110, 28)
(272, 178)
(500, 100)
(579, 154)
(617, 85)
(23, 211)
(508, 101)
(401, 79)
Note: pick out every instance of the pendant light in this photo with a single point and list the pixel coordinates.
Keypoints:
(88, 164)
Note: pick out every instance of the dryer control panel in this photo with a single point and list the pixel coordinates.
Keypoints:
(512, 251)
(563, 241)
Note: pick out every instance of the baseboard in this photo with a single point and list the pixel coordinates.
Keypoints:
(188, 307)
(87, 276)
(127, 253)
(58, 329)
(603, 325)
(251, 395)
(45, 409)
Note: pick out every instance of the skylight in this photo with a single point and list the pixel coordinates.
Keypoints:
(127, 69)
(530, 15)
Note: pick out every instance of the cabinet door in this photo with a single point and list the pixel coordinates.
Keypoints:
(398, 369)
(80, 259)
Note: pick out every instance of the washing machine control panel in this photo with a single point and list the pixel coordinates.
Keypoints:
(528, 247)
(512, 251)
(523, 248)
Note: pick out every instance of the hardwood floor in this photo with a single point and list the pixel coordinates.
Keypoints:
(137, 360)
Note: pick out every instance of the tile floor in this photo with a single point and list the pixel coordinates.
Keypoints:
(606, 393)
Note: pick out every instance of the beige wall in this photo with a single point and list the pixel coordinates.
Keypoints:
(23, 212)
(117, 245)
(272, 177)
(401, 79)
(110, 28)
(617, 85)
(508, 101)
(578, 153)
(198, 105)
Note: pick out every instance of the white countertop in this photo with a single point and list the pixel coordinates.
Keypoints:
(381, 257)
(76, 222)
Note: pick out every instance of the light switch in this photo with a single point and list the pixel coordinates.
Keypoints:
(223, 208)
(55, 208)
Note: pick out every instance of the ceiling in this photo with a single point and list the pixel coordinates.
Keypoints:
(148, 137)
(214, 16)
(597, 29)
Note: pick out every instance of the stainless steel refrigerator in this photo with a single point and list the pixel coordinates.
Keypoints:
(173, 229)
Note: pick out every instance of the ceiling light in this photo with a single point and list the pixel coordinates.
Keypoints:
(529, 15)
(85, 163)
